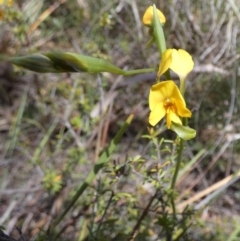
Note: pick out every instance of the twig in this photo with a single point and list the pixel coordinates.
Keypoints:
(8, 211)
(137, 19)
(20, 233)
(145, 212)
(45, 15)
(208, 190)
(105, 211)
(211, 196)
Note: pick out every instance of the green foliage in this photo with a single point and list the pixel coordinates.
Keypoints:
(52, 181)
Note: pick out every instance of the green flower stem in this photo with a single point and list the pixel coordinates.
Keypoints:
(161, 44)
(103, 159)
(182, 86)
(158, 32)
(179, 159)
(138, 71)
(181, 146)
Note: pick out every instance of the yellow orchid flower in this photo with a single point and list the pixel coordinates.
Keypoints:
(178, 61)
(148, 16)
(165, 99)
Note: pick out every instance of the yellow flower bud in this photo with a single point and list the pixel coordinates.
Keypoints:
(148, 17)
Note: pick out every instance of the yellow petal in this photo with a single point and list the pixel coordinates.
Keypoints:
(148, 16)
(176, 94)
(182, 63)
(180, 104)
(165, 99)
(178, 61)
(155, 96)
(171, 116)
(165, 62)
(182, 110)
(157, 114)
(160, 92)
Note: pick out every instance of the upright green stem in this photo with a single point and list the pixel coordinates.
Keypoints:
(179, 159)
(180, 151)
(161, 44)
(182, 86)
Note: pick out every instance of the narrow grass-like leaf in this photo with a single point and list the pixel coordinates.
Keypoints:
(43, 143)
(15, 129)
(158, 32)
(234, 236)
(188, 166)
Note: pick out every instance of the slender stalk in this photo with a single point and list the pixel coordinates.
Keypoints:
(179, 159)
(145, 212)
(181, 146)
(138, 71)
(182, 86)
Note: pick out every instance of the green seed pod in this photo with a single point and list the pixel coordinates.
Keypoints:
(36, 62)
(82, 63)
(59, 62)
